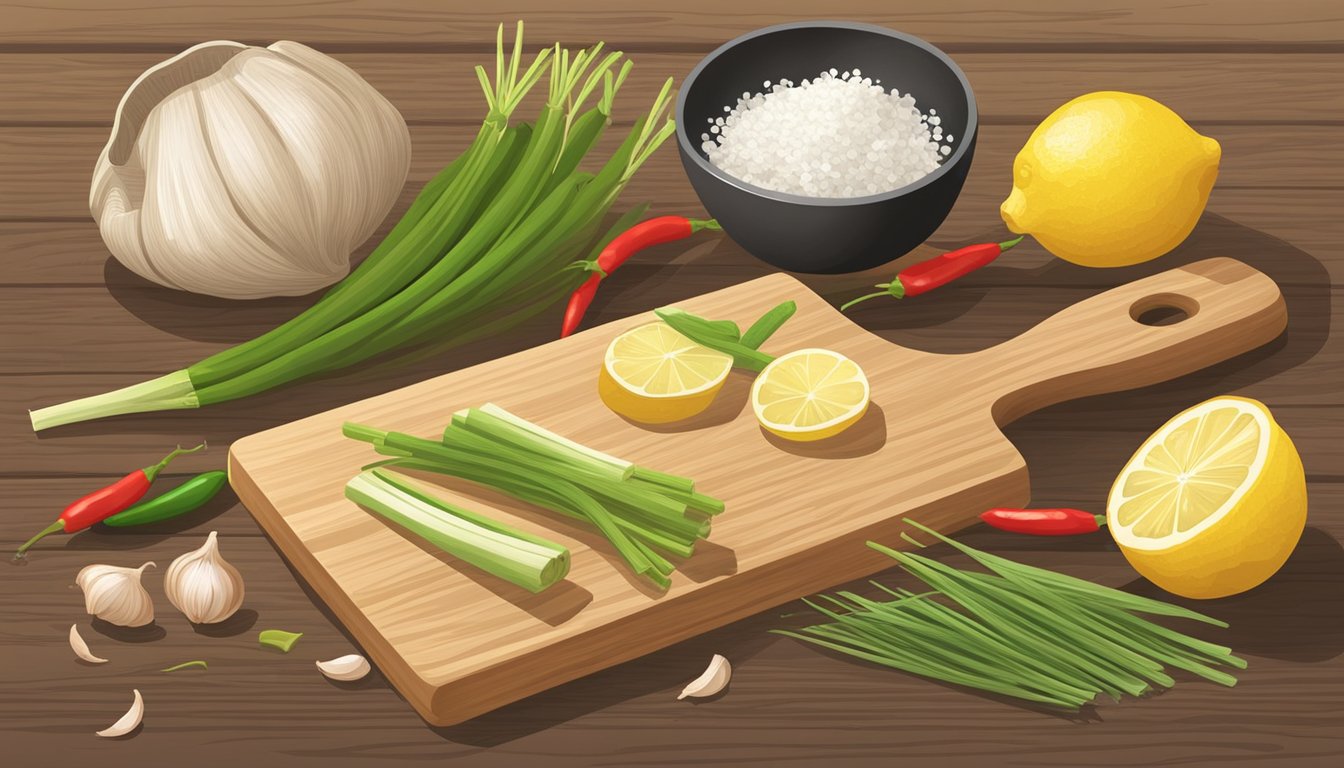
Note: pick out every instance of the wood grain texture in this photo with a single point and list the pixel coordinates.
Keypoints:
(1207, 89)
(788, 705)
(701, 24)
(59, 187)
(456, 650)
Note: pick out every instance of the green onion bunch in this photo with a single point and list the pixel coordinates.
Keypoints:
(484, 246)
(648, 516)
(1018, 631)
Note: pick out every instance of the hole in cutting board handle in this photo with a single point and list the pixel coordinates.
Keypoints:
(1163, 309)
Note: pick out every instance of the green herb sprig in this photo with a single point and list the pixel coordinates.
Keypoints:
(1018, 631)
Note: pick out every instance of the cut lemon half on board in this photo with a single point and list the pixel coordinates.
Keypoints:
(810, 394)
(1213, 503)
(654, 375)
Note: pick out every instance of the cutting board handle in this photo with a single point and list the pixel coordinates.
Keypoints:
(1103, 344)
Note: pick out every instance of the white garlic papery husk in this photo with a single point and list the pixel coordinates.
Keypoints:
(245, 172)
(115, 594)
(203, 585)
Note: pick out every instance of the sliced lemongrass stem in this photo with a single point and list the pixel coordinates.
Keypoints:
(518, 557)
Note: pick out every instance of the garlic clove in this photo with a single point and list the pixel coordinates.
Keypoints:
(115, 594)
(81, 648)
(203, 585)
(711, 681)
(349, 667)
(129, 721)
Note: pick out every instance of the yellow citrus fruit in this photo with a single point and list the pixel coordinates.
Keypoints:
(810, 394)
(654, 375)
(1213, 503)
(1111, 179)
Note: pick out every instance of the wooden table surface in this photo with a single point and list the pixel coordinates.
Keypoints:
(1262, 78)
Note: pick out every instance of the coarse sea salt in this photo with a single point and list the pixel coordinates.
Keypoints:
(830, 136)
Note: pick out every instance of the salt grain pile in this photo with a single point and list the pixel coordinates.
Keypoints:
(838, 135)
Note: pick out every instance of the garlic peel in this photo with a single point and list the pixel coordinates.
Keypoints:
(349, 667)
(711, 681)
(129, 721)
(81, 648)
(203, 585)
(115, 594)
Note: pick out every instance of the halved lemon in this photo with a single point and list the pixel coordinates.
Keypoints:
(1213, 503)
(654, 375)
(810, 394)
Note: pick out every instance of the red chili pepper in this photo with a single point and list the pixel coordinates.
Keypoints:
(938, 271)
(655, 231)
(106, 501)
(1044, 522)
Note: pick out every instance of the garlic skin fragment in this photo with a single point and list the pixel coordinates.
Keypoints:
(711, 681)
(129, 721)
(245, 172)
(346, 668)
(203, 585)
(115, 594)
(81, 648)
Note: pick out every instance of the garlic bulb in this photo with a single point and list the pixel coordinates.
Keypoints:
(202, 584)
(349, 667)
(245, 172)
(115, 594)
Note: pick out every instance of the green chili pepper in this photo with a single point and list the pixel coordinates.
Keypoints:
(189, 496)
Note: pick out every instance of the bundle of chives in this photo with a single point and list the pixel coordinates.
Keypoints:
(645, 514)
(1018, 631)
(529, 561)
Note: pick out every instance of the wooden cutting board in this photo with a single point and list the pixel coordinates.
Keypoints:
(458, 642)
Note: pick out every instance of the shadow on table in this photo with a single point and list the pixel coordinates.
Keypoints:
(1298, 615)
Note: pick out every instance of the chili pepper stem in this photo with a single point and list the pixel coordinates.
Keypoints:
(894, 290)
(1006, 244)
(710, 224)
(153, 471)
(1101, 521)
(59, 525)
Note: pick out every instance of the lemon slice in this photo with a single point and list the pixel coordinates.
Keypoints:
(810, 394)
(654, 375)
(1213, 503)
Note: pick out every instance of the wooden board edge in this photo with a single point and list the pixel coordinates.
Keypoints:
(461, 700)
(415, 689)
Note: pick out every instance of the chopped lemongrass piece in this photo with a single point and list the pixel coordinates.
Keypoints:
(1018, 631)
(528, 561)
(279, 639)
(542, 432)
(643, 513)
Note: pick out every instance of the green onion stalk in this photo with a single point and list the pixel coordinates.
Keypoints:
(495, 225)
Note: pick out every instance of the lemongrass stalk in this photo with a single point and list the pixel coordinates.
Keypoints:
(518, 557)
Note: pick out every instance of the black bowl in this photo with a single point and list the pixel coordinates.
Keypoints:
(827, 235)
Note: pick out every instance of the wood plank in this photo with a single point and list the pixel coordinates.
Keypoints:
(1292, 234)
(788, 705)
(32, 499)
(58, 162)
(365, 24)
(1207, 88)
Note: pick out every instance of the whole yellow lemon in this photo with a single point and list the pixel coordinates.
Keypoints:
(1111, 179)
